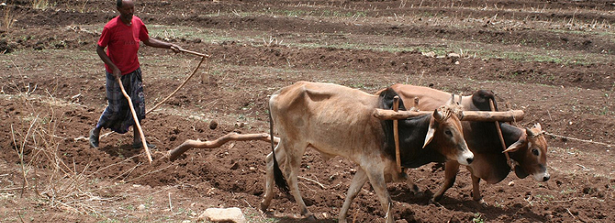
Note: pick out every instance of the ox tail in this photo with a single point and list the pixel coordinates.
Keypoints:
(277, 172)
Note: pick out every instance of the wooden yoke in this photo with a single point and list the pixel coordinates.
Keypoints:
(396, 134)
(479, 116)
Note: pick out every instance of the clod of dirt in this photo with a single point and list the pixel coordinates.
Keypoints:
(5, 47)
(234, 166)
(213, 124)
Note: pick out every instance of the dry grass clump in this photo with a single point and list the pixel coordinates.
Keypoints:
(8, 19)
(47, 175)
(35, 141)
(40, 4)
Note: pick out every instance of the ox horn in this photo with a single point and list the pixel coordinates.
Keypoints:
(531, 133)
(437, 114)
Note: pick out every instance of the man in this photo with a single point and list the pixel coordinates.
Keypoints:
(121, 37)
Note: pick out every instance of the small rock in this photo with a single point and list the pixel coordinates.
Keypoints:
(223, 215)
(141, 207)
(430, 54)
(511, 183)
(454, 55)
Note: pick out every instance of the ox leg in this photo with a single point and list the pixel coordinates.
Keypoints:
(414, 189)
(476, 189)
(451, 169)
(355, 187)
(269, 183)
(294, 189)
(376, 178)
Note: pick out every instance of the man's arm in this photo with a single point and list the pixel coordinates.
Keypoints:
(161, 44)
(103, 56)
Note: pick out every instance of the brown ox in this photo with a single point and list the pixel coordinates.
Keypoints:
(527, 147)
(338, 121)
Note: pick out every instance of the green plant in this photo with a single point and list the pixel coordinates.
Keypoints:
(567, 191)
(40, 4)
(545, 198)
(478, 218)
(82, 7)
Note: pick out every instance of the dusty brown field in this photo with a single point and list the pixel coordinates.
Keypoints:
(552, 59)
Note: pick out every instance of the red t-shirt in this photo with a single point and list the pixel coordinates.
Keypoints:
(123, 43)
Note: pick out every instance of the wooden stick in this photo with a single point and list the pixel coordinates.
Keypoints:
(194, 53)
(499, 129)
(177, 89)
(396, 134)
(313, 181)
(134, 116)
(188, 144)
(482, 116)
(580, 140)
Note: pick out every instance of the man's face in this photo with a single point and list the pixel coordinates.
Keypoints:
(126, 11)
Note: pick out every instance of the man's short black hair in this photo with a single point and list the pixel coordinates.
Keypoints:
(119, 3)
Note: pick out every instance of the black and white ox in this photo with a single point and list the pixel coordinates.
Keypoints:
(526, 147)
(338, 121)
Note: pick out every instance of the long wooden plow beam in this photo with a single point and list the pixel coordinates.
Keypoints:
(481, 116)
(189, 144)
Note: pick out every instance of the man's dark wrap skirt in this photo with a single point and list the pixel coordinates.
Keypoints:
(117, 115)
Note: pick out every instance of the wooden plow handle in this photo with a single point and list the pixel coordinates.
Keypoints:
(194, 53)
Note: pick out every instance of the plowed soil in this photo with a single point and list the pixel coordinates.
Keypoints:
(552, 59)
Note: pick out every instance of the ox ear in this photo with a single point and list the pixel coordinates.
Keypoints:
(432, 128)
(451, 101)
(517, 145)
(537, 128)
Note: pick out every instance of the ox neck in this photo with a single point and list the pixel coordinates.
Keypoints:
(412, 133)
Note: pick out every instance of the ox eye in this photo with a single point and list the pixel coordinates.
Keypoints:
(535, 152)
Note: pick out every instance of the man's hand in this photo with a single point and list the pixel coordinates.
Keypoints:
(176, 48)
(117, 73)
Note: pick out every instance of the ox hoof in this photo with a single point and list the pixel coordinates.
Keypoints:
(264, 207)
(437, 198)
(435, 202)
(416, 192)
(311, 218)
(482, 202)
